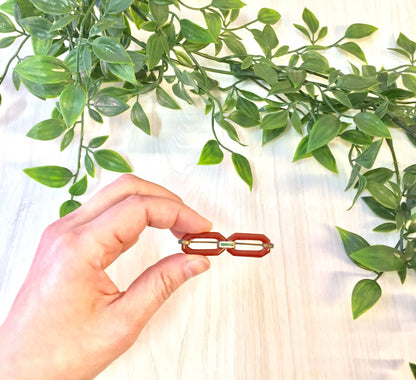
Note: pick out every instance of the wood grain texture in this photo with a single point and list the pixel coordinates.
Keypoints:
(286, 316)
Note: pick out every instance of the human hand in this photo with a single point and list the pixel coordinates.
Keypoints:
(69, 320)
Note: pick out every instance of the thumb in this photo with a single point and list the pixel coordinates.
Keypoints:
(154, 286)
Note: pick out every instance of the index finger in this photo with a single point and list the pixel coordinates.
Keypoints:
(119, 227)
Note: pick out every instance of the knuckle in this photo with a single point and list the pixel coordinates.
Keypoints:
(128, 179)
(165, 286)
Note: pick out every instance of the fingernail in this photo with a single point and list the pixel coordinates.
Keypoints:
(196, 266)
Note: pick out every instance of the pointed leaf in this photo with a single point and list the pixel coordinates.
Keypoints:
(194, 33)
(371, 124)
(111, 160)
(53, 7)
(309, 18)
(324, 130)
(359, 31)
(354, 49)
(243, 169)
(368, 157)
(43, 69)
(380, 258)
(268, 16)
(227, 4)
(211, 154)
(275, 120)
(325, 157)
(47, 129)
(96, 142)
(6, 25)
(52, 176)
(364, 295)
(139, 118)
(165, 100)
(382, 195)
(67, 207)
(79, 187)
(72, 102)
(109, 50)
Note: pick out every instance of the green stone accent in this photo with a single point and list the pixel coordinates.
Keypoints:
(226, 244)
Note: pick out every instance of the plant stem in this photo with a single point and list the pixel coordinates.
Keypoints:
(395, 163)
(12, 58)
(81, 145)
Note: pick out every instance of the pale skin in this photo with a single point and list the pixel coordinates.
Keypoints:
(69, 320)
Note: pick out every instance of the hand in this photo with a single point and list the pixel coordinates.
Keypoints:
(69, 320)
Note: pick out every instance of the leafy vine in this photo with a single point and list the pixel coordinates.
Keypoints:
(98, 58)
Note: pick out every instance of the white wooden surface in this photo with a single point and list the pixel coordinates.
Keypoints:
(286, 316)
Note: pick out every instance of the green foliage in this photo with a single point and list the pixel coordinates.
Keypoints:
(94, 60)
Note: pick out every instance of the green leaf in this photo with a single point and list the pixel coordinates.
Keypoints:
(302, 150)
(382, 195)
(323, 131)
(352, 243)
(8, 7)
(242, 119)
(379, 175)
(266, 72)
(271, 134)
(109, 105)
(296, 121)
(89, 165)
(367, 158)
(354, 49)
(211, 154)
(322, 33)
(275, 120)
(309, 18)
(139, 118)
(313, 61)
(62, 22)
(378, 209)
(214, 23)
(47, 129)
(413, 369)
(43, 69)
(364, 295)
(72, 102)
(248, 108)
(67, 139)
(356, 137)
(268, 16)
(6, 25)
(123, 71)
(6, 42)
(296, 77)
(53, 7)
(385, 227)
(243, 169)
(194, 33)
(79, 187)
(165, 100)
(52, 176)
(342, 98)
(67, 207)
(325, 157)
(379, 258)
(352, 82)
(116, 6)
(228, 127)
(94, 115)
(302, 29)
(409, 81)
(111, 160)
(227, 4)
(96, 142)
(371, 124)
(270, 37)
(109, 50)
(155, 48)
(359, 31)
(235, 45)
(406, 44)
